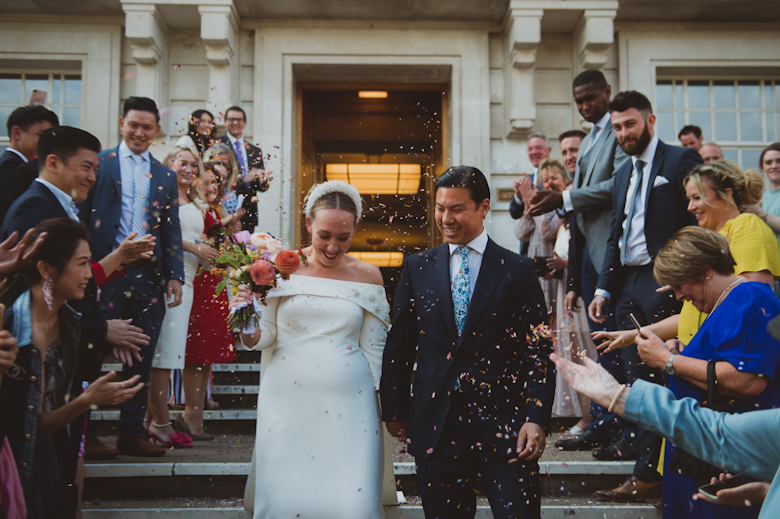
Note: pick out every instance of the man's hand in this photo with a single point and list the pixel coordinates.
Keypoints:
(571, 301)
(174, 291)
(597, 311)
(557, 263)
(126, 339)
(398, 430)
(530, 441)
(545, 201)
(749, 494)
(13, 258)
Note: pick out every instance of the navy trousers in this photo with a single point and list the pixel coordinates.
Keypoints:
(138, 296)
(449, 478)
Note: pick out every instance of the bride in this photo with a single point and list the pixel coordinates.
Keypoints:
(318, 451)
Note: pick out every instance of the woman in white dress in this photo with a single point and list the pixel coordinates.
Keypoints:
(318, 451)
(172, 342)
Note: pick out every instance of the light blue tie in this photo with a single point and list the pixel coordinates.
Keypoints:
(140, 200)
(241, 159)
(636, 198)
(461, 287)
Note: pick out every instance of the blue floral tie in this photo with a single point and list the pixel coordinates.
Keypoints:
(460, 289)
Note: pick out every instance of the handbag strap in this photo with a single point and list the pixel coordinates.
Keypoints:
(712, 385)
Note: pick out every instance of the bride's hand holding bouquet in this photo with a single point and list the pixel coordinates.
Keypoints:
(252, 263)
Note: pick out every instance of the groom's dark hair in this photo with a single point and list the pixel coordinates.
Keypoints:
(468, 177)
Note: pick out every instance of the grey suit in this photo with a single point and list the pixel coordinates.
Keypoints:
(592, 193)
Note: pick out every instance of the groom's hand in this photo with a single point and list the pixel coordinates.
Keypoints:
(530, 442)
(398, 430)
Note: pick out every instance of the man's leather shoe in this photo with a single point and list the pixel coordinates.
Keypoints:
(632, 491)
(142, 447)
(622, 450)
(94, 449)
(586, 442)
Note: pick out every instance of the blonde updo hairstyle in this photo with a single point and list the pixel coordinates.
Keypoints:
(331, 200)
(555, 164)
(746, 188)
(689, 254)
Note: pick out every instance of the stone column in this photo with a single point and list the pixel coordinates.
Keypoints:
(219, 31)
(522, 30)
(148, 34)
(593, 37)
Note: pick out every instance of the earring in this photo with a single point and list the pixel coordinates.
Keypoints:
(47, 291)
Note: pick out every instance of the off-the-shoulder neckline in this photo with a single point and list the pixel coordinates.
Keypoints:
(362, 283)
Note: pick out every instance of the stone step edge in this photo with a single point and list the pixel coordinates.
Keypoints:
(400, 468)
(229, 367)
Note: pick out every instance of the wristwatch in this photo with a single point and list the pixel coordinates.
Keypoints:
(669, 368)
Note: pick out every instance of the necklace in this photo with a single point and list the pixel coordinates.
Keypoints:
(717, 301)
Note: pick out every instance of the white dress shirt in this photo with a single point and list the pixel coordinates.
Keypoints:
(636, 253)
(63, 198)
(477, 248)
(127, 174)
(602, 123)
(241, 147)
(18, 153)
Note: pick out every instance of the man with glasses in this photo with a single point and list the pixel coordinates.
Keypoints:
(250, 159)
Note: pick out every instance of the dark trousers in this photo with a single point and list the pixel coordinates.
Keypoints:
(637, 295)
(602, 422)
(449, 478)
(137, 296)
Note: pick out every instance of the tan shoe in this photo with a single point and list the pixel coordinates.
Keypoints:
(632, 491)
(94, 449)
(142, 447)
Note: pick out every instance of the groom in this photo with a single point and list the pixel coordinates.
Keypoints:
(470, 313)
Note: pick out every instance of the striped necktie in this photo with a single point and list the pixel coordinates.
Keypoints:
(241, 159)
(141, 195)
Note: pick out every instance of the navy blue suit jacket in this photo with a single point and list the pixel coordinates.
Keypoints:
(507, 373)
(35, 205)
(666, 206)
(9, 161)
(103, 209)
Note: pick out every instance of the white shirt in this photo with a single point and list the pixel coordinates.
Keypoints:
(63, 198)
(602, 123)
(477, 248)
(18, 153)
(127, 174)
(241, 147)
(636, 253)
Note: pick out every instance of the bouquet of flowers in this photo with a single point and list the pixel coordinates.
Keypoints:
(257, 261)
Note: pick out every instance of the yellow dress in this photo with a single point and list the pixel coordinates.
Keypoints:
(754, 247)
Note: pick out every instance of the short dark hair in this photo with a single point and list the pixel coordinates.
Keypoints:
(695, 130)
(630, 99)
(65, 142)
(468, 177)
(590, 76)
(26, 116)
(235, 109)
(571, 133)
(142, 104)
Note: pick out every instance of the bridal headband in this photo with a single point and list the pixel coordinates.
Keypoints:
(334, 186)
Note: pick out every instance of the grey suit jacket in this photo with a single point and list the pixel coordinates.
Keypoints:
(592, 193)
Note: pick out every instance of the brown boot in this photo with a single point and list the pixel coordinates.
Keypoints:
(631, 491)
(142, 447)
(94, 449)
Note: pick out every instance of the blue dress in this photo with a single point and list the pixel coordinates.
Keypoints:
(735, 332)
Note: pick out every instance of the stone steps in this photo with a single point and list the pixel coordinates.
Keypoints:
(552, 508)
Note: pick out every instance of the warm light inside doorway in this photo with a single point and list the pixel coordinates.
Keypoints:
(378, 179)
(372, 94)
(380, 258)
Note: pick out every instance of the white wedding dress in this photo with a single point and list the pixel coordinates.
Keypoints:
(318, 450)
